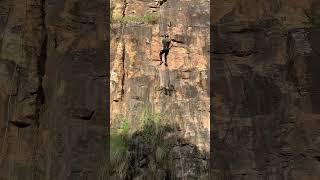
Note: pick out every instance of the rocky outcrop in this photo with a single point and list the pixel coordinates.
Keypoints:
(178, 92)
(158, 153)
(137, 79)
(266, 92)
(52, 84)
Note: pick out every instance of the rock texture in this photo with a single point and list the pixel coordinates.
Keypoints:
(52, 89)
(179, 92)
(265, 90)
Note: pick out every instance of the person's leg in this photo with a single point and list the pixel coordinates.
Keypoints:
(166, 54)
(161, 52)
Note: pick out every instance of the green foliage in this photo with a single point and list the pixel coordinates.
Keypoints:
(119, 155)
(124, 129)
(117, 142)
(148, 118)
(151, 18)
(153, 129)
(148, 18)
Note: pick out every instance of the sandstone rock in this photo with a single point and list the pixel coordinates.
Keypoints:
(262, 47)
(57, 47)
(178, 92)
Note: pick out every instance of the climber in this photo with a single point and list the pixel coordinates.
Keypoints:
(166, 43)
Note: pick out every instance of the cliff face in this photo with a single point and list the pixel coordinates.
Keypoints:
(266, 90)
(52, 84)
(265, 81)
(178, 93)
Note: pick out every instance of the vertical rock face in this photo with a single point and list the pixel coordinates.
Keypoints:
(266, 90)
(178, 92)
(52, 89)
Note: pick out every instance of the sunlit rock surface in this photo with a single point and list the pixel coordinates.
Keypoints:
(179, 92)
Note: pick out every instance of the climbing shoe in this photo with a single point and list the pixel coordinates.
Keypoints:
(165, 64)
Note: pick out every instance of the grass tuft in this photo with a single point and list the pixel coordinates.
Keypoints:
(148, 18)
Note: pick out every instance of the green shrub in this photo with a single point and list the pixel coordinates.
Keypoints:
(148, 18)
(124, 128)
(119, 149)
(153, 129)
(151, 18)
(119, 155)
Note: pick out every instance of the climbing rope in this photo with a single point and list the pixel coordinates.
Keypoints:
(169, 14)
(163, 22)
(161, 28)
(161, 19)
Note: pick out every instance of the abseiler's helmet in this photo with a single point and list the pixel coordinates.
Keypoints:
(166, 35)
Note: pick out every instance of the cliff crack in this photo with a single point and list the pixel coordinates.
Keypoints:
(42, 61)
(123, 55)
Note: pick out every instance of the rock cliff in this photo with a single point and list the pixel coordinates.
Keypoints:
(265, 90)
(264, 86)
(178, 93)
(52, 89)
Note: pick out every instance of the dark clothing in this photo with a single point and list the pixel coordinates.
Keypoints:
(166, 43)
(166, 47)
(166, 51)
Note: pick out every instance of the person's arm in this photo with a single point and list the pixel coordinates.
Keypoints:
(171, 44)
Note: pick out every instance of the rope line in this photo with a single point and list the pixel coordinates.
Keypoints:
(161, 20)
(161, 26)
(161, 29)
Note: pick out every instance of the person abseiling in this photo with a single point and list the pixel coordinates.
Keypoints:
(166, 41)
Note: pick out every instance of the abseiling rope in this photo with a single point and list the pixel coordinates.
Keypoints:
(161, 24)
(171, 101)
(161, 28)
